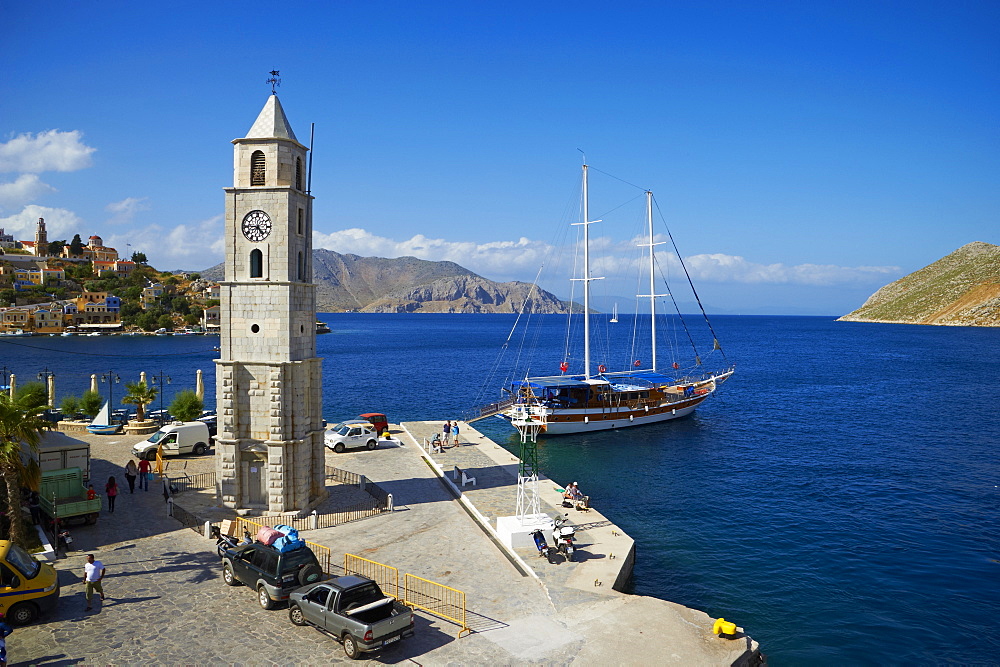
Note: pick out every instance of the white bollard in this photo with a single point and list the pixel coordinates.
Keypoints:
(208, 530)
(389, 500)
(314, 520)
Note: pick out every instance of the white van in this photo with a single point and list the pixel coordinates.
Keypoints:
(176, 438)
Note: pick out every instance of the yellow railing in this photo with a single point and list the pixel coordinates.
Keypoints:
(437, 599)
(386, 576)
(322, 553)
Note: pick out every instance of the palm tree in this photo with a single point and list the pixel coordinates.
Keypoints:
(140, 395)
(20, 421)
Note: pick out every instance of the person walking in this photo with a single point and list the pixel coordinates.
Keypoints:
(454, 431)
(35, 505)
(93, 573)
(5, 630)
(144, 474)
(130, 474)
(111, 489)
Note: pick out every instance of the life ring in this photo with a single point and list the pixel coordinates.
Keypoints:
(638, 362)
(602, 368)
(564, 367)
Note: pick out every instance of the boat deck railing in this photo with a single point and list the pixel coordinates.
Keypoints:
(488, 410)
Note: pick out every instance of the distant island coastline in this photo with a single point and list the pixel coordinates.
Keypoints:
(349, 283)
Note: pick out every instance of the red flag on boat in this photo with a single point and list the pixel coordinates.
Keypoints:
(564, 367)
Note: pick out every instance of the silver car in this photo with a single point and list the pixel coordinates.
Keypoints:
(351, 434)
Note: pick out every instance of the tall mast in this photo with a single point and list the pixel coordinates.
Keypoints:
(586, 276)
(652, 276)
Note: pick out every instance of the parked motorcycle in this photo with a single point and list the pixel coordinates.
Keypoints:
(543, 548)
(564, 535)
(223, 542)
(63, 540)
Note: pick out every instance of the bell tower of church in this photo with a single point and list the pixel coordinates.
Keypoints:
(269, 449)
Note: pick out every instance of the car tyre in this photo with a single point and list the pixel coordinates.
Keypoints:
(91, 518)
(372, 444)
(228, 576)
(22, 614)
(264, 599)
(200, 448)
(339, 448)
(351, 647)
(296, 616)
(309, 574)
(151, 456)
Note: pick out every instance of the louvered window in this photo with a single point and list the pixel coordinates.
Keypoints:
(257, 171)
(298, 173)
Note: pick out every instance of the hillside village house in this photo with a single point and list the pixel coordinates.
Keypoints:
(7, 240)
(119, 267)
(37, 275)
(213, 292)
(150, 294)
(210, 318)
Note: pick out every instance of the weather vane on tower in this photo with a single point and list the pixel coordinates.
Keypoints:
(274, 81)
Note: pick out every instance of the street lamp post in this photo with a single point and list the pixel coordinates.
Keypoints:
(162, 380)
(112, 380)
(49, 378)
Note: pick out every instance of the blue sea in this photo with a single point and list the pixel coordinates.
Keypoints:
(838, 498)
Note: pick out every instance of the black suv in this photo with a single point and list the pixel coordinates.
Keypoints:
(273, 574)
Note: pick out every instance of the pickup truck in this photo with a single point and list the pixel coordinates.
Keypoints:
(62, 496)
(354, 610)
(272, 573)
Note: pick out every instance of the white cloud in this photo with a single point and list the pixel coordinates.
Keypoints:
(52, 150)
(718, 267)
(26, 188)
(519, 260)
(59, 223)
(196, 246)
(124, 211)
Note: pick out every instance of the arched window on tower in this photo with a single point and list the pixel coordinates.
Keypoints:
(302, 267)
(257, 171)
(298, 174)
(256, 263)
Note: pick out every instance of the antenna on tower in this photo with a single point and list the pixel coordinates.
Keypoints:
(274, 81)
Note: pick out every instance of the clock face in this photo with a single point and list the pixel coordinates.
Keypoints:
(256, 226)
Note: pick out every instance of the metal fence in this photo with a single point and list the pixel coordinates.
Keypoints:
(342, 476)
(386, 576)
(185, 482)
(437, 599)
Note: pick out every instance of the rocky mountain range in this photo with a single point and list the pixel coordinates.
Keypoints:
(961, 289)
(411, 285)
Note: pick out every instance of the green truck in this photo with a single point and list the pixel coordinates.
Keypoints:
(63, 496)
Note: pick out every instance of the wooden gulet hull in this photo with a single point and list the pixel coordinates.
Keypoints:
(552, 420)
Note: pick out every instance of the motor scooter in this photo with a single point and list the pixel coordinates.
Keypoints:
(563, 535)
(224, 542)
(543, 549)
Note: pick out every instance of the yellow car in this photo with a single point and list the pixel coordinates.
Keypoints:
(27, 587)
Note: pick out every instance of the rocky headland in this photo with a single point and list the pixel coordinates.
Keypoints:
(410, 285)
(961, 289)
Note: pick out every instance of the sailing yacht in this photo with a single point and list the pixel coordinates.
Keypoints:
(596, 399)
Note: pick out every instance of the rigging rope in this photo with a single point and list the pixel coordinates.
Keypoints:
(715, 339)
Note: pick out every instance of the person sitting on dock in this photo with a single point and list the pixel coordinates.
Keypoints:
(436, 443)
(572, 497)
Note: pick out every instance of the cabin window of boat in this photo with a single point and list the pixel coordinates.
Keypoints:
(256, 263)
(22, 562)
(257, 168)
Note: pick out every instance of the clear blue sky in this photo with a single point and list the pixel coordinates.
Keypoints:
(803, 153)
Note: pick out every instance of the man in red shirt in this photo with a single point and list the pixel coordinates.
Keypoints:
(144, 474)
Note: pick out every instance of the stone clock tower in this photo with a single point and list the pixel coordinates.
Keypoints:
(269, 450)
